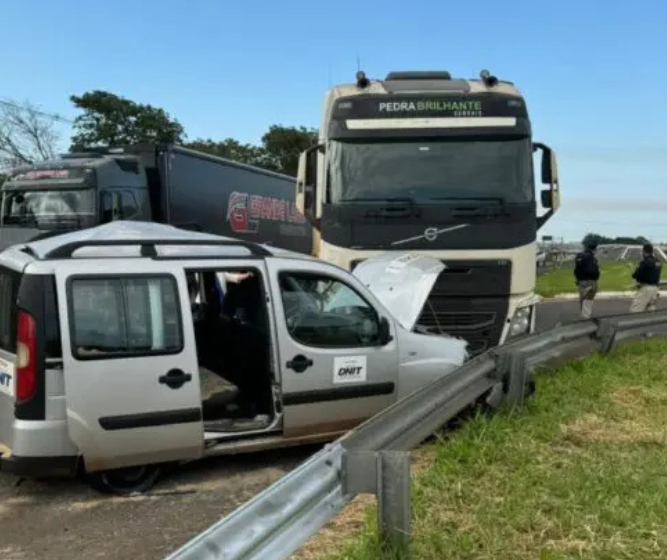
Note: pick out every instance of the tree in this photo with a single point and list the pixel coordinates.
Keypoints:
(111, 120)
(233, 150)
(26, 134)
(623, 240)
(280, 149)
(284, 144)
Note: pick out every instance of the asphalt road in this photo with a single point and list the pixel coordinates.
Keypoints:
(550, 314)
(66, 520)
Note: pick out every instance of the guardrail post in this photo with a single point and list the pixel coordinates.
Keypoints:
(517, 379)
(607, 334)
(394, 512)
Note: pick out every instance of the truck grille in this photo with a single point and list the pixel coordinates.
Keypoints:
(469, 300)
(479, 321)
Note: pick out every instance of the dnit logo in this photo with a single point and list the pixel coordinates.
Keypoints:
(238, 214)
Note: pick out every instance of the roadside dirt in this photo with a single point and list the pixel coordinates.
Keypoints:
(66, 520)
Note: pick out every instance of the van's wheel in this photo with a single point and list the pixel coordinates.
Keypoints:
(125, 481)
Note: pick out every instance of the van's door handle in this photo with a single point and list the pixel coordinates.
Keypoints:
(175, 378)
(299, 363)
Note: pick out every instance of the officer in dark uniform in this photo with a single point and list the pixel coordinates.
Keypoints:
(647, 276)
(587, 275)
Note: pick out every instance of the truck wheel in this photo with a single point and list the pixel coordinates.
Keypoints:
(126, 481)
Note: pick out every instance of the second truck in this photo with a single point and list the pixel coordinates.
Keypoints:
(422, 162)
(162, 183)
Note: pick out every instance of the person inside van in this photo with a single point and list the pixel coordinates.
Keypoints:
(232, 339)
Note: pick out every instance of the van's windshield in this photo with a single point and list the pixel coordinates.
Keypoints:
(44, 208)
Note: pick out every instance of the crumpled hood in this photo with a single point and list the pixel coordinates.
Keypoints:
(402, 283)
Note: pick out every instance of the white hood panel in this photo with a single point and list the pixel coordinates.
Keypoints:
(402, 283)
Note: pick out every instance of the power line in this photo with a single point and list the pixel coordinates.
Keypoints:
(52, 116)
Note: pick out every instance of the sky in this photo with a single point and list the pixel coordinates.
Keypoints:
(594, 75)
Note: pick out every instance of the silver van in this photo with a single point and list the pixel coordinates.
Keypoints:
(133, 345)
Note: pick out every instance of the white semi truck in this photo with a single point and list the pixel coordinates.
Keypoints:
(421, 162)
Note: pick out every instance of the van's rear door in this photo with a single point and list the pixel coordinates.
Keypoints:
(130, 363)
(9, 285)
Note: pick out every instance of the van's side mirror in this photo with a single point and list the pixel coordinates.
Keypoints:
(384, 332)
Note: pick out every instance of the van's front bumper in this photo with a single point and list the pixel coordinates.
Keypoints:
(37, 467)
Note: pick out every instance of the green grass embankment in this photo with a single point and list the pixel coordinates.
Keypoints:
(579, 472)
(615, 276)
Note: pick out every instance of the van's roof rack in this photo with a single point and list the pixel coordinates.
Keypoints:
(148, 246)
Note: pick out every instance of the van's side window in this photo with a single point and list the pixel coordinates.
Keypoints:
(131, 316)
(326, 312)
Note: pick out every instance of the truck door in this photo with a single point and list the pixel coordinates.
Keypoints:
(334, 372)
(130, 363)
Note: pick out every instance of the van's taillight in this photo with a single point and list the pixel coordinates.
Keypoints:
(26, 357)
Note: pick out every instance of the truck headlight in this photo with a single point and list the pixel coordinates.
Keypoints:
(520, 323)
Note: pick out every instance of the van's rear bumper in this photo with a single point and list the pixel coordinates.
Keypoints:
(39, 467)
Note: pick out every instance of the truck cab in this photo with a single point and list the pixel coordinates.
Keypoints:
(132, 345)
(77, 191)
(441, 166)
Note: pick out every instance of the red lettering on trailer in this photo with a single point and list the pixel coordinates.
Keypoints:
(245, 212)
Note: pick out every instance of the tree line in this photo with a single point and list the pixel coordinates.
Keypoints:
(106, 119)
(602, 240)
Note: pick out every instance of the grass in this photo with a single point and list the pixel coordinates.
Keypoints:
(579, 472)
(614, 276)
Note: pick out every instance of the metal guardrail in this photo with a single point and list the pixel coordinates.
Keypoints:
(374, 457)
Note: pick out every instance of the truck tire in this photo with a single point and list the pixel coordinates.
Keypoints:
(126, 481)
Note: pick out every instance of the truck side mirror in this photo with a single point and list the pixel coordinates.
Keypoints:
(546, 198)
(384, 332)
(550, 198)
(306, 185)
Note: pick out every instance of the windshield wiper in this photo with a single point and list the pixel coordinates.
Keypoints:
(497, 199)
(477, 205)
(403, 199)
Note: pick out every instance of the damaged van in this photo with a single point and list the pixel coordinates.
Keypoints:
(133, 345)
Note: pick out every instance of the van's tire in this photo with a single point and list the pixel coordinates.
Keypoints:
(126, 481)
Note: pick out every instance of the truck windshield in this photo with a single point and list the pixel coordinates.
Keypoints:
(43, 208)
(431, 171)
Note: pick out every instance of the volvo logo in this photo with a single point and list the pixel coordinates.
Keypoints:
(430, 234)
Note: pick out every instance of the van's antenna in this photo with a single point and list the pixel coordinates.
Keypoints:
(358, 63)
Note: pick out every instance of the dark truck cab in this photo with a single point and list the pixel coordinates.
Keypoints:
(77, 191)
(163, 183)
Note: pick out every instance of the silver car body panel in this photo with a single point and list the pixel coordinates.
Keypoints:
(118, 410)
(315, 399)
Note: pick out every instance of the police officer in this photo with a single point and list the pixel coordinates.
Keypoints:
(647, 276)
(587, 274)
